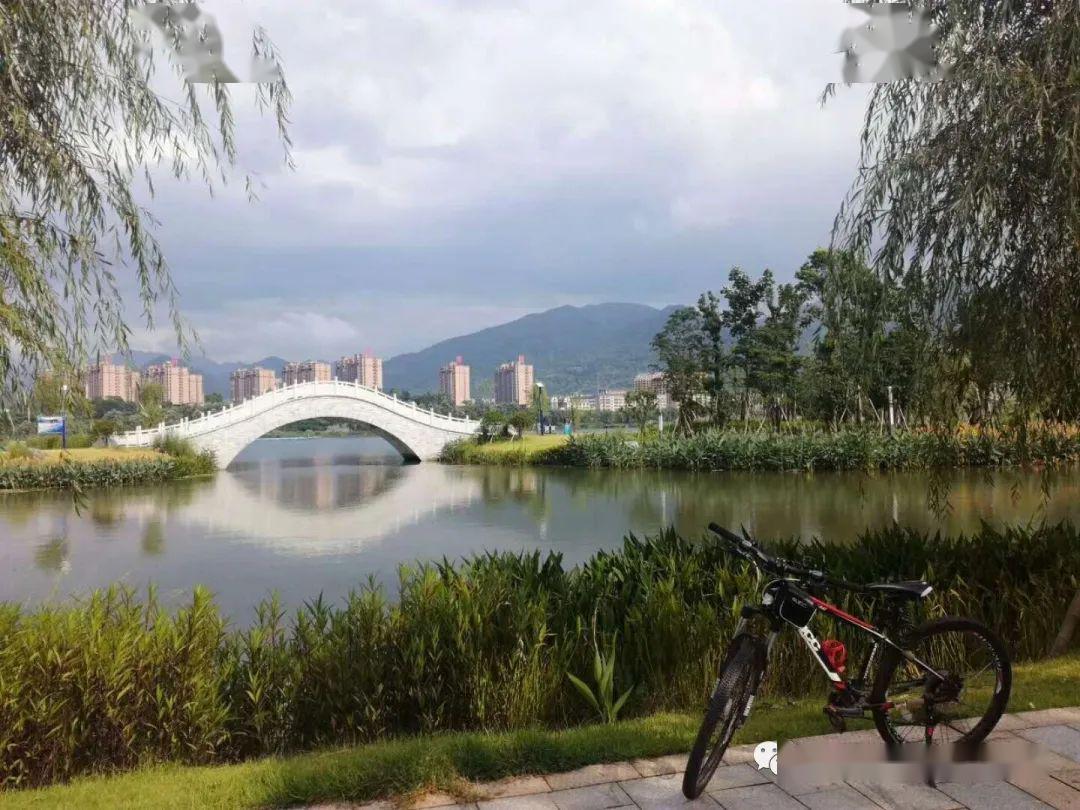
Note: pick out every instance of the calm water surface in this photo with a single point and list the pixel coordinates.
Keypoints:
(302, 516)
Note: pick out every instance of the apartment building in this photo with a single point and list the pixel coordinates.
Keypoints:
(245, 383)
(106, 380)
(654, 381)
(514, 382)
(179, 385)
(308, 371)
(611, 399)
(360, 368)
(454, 381)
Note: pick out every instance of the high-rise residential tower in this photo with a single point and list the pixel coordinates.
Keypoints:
(106, 380)
(514, 383)
(245, 383)
(179, 385)
(308, 371)
(365, 369)
(454, 381)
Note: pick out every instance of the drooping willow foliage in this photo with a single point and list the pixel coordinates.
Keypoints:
(82, 123)
(968, 194)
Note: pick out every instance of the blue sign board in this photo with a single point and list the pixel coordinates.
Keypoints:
(50, 424)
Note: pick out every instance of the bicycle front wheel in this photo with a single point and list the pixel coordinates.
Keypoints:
(728, 709)
(961, 703)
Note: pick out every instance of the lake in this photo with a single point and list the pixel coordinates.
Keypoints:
(304, 516)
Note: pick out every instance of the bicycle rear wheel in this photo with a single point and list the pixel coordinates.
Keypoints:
(728, 709)
(962, 707)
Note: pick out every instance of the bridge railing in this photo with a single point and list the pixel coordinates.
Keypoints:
(202, 423)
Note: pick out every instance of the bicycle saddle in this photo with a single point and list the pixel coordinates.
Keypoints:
(911, 589)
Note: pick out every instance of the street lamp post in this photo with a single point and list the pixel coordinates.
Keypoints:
(540, 406)
(63, 416)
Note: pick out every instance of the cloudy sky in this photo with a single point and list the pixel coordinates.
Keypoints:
(460, 163)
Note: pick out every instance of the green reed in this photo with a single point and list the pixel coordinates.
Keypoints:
(114, 682)
(809, 449)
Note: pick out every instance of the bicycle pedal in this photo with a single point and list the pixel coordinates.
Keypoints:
(835, 720)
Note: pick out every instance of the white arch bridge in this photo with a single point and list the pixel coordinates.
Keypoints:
(416, 433)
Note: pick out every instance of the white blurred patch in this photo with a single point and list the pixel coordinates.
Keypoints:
(196, 41)
(895, 42)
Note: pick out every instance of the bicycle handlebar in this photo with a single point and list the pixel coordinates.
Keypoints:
(749, 550)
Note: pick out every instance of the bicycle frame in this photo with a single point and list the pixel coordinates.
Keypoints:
(782, 592)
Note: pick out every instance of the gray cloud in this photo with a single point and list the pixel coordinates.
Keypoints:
(460, 163)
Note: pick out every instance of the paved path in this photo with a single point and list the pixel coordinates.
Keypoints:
(655, 784)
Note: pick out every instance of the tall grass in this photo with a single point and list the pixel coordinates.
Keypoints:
(21, 469)
(186, 459)
(485, 644)
(850, 449)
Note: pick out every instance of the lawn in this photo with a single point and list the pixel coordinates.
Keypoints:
(515, 451)
(85, 455)
(451, 762)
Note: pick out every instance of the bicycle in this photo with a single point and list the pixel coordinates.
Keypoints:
(921, 686)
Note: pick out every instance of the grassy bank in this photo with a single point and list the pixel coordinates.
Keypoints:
(115, 682)
(809, 449)
(23, 468)
(526, 450)
(451, 762)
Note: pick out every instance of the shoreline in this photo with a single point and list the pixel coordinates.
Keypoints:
(99, 468)
(1040, 447)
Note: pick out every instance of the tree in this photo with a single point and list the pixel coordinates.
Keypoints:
(492, 424)
(151, 398)
(70, 72)
(520, 420)
(102, 430)
(865, 339)
(715, 360)
(968, 195)
(59, 391)
(214, 400)
(744, 299)
(773, 362)
(641, 408)
(680, 348)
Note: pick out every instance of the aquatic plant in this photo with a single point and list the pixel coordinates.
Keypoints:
(115, 681)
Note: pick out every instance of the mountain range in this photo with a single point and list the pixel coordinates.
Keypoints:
(573, 349)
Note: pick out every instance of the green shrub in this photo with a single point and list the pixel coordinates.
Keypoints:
(18, 451)
(78, 441)
(46, 442)
(485, 644)
(187, 460)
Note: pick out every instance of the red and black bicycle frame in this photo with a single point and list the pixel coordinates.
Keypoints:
(785, 602)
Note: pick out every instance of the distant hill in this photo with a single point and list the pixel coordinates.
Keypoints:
(574, 349)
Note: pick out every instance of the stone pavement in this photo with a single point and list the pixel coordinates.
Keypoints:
(656, 784)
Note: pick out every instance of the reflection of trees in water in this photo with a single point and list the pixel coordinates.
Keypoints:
(51, 555)
(526, 486)
(20, 507)
(834, 506)
(107, 511)
(108, 507)
(153, 538)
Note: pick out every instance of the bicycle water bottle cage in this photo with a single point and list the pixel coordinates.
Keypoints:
(836, 654)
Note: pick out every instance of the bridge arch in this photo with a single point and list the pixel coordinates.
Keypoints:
(416, 433)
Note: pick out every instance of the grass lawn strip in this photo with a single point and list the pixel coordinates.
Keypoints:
(451, 762)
